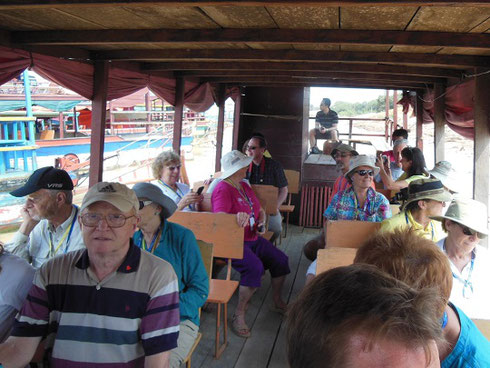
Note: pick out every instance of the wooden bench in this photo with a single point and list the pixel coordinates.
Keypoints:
(293, 178)
(334, 257)
(223, 232)
(348, 234)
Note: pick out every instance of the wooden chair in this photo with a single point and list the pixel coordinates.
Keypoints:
(484, 327)
(267, 195)
(293, 188)
(334, 257)
(222, 230)
(207, 258)
(348, 234)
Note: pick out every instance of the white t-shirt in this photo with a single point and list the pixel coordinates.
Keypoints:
(176, 196)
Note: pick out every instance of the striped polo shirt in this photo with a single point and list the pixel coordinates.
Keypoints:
(132, 313)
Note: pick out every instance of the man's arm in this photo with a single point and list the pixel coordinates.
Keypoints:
(161, 360)
(20, 243)
(18, 351)
(282, 195)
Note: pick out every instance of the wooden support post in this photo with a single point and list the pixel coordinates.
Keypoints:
(61, 119)
(99, 104)
(221, 125)
(178, 115)
(439, 121)
(387, 116)
(419, 107)
(236, 121)
(111, 119)
(395, 110)
(75, 122)
(481, 172)
(148, 108)
(405, 121)
(306, 124)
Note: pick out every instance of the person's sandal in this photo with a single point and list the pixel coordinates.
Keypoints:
(274, 308)
(241, 330)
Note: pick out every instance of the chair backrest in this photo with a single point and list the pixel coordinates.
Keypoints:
(348, 234)
(293, 181)
(220, 229)
(267, 195)
(207, 256)
(329, 258)
(484, 327)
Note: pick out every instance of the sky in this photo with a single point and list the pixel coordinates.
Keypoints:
(343, 94)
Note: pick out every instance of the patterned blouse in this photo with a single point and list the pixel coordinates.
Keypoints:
(344, 206)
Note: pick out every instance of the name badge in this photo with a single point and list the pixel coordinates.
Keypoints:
(252, 222)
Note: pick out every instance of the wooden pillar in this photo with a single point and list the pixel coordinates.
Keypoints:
(419, 111)
(61, 119)
(99, 105)
(395, 110)
(481, 171)
(439, 121)
(111, 119)
(75, 122)
(221, 125)
(236, 121)
(178, 115)
(148, 108)
(405, 120)
(306, 126)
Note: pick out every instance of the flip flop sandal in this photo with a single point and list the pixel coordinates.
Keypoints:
(276, 309)
(238, 329)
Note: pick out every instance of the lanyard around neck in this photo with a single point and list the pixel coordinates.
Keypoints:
(242, 193)
(66, 235)
(180, 195)
(154, 241)
(467, 282)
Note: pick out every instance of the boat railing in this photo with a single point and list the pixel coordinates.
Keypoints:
(389, 126)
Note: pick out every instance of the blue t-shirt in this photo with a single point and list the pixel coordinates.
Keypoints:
(472, 349)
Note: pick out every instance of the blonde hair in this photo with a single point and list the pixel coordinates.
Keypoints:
(164, 159)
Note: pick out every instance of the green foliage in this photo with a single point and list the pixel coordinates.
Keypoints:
(353, 109)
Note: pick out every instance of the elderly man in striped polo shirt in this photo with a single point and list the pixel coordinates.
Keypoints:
(109, 304)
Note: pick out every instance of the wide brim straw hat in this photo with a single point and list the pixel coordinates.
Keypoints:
(467, 212)
(361, 160)
(232, 162)
(426, 189)
(444, 172)
(155, 194)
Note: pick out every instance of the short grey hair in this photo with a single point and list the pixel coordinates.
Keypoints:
(163, 159)
(68, 195)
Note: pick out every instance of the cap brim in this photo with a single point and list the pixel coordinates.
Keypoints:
(116, 200)
(24, 190)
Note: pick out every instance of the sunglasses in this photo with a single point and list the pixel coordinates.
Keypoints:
(144, 203)
(469, 232)
(252, 148)
(364, 172)
(172, 168)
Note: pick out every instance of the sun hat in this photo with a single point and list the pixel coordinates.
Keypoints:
(117, 194)
(426, 189)
(232, 162)
(45, 178)
(467, 212)
(445, 173)
(155, 194)
(361, 160)
(342, 147)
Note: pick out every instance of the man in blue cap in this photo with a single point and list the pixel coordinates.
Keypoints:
(50, 225)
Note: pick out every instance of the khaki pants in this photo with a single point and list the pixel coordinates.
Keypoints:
(187, 336)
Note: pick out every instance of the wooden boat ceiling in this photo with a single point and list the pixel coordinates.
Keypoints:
(384, 44)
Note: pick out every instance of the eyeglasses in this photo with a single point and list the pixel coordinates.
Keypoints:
(144, 203)
(172, 168)
(364, 172)
(113, 220)
(252, 148)
(469, 232)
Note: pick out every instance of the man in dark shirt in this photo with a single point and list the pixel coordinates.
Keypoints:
(325, 125)
(266, 171)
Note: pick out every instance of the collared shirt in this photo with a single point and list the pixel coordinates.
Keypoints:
(327, 120)
(345, 206)
(176, 196)
(178, 247)
(472, 350)
(130, 314)
(474, 299)
(269, 172)
(396, 172)
(41, 243)
(433, 231)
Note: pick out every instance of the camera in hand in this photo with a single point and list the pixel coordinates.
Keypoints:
(260, 228)
(401, 196)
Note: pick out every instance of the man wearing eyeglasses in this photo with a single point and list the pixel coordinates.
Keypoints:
(109, 303)
(49, 225)
(266, 171)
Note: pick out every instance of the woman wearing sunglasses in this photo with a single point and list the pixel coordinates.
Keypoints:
(166, 171)
(359, 202)
(413, 166)
(466, 224)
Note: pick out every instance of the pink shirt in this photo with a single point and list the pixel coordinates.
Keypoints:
(226, 198)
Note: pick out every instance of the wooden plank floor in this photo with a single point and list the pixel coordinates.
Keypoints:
(266, 347)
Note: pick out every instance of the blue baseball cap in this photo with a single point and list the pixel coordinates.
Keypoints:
(45, 178)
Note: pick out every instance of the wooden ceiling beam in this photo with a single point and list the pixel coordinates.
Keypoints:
(342, 85)
(42, 4)
(311, 75)
(304, 66)
(270, 36)
(234, 55)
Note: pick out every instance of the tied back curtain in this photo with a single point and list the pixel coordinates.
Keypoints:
(78, 77)
(458, 110)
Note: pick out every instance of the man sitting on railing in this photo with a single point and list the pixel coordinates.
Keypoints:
(397, 134)
(50, 225)
(326, 122)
